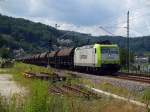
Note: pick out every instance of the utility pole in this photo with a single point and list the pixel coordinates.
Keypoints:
(49, 50)
(56, 26)
(128, 42)
(50, 42)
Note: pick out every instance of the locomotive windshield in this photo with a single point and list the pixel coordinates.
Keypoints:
(110, 50)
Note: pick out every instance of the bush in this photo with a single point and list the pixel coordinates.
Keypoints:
(146, 98)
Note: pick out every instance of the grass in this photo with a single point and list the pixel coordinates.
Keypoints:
(105, 86)
(20, 68)
(37, 99)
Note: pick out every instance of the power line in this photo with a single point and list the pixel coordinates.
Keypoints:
(134, 18)
(119, 27)
(124, 22)
(110, 33)
(137, 32)
(112, 27)
(106, 30)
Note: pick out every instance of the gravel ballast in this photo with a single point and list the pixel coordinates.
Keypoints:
(128, 84)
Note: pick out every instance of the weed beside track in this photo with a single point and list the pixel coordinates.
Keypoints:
(57, 95)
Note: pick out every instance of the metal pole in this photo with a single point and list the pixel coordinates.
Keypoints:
(128, 42)
(57, 26)
(50, 45)
(49, 50)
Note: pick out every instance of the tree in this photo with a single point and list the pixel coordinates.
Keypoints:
(146, 98)
(6, 53)
(124, 57)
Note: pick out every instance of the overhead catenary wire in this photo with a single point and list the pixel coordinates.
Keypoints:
(105, 28)
(106, 31)
(123, 22)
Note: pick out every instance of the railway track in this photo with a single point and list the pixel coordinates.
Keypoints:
(45, 76)
(72, 90)
(120, 75)
(133, 77)
(130, 81)
(65, 89)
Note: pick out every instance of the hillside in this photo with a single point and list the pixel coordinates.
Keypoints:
(26, 37)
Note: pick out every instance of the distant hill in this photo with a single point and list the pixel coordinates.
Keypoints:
(20, 35)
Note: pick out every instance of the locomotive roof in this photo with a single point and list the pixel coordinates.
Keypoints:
(101, 45)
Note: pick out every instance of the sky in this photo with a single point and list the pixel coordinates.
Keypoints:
(95, 17)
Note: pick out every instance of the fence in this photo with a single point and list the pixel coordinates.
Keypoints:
(138, 68)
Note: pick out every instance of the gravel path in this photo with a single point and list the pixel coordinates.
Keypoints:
(8, 87)
(128, 84)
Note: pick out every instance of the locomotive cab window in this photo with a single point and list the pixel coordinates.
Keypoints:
(110, 50)
(105, 50)
(114, 51)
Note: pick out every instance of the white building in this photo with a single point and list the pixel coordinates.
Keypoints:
(142, 63)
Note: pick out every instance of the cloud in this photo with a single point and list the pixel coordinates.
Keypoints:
(93, 30)
(83, 15)
(139, 18)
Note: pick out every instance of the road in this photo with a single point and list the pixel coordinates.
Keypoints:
(8, 87)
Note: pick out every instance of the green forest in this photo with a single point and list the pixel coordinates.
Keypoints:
(17, 34)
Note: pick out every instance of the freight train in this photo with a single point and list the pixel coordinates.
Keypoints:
(92, 58)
